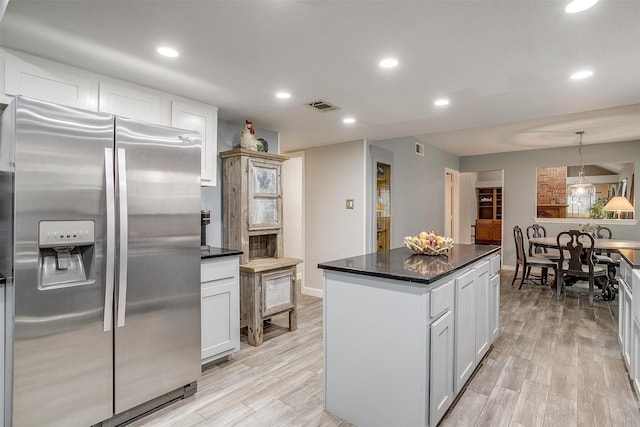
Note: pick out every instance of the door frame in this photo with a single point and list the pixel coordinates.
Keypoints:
(452, 204)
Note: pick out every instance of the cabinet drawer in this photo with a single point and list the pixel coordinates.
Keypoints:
(441, 299)
(495, 264)
(219, 269)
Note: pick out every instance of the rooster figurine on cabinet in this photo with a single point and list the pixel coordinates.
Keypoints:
(248, 138)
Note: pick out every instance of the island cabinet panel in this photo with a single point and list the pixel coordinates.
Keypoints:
(441, 388)
(376, 342)
(465, 310)
(494, 303)
(482, 309)
(398, 351)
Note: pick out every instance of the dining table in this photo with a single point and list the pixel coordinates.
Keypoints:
(603, 244)
(608, 245)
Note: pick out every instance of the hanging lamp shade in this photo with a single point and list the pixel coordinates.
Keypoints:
(581, 187)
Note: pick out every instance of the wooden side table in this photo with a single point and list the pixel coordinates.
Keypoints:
(267, 288)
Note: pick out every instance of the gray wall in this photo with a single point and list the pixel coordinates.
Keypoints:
(333, 173)
(417, 187)
(228, 138)
(520, 183)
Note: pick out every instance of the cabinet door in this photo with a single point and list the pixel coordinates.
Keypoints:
(129, 102)
(203, 119)
(265, 195)
(220, 309)
(465, 328)
(483, 302)
(634, 371)
(494, 308)
(627, 325)
(49, 82)
(621, 312)
(441, 367)
(484, 231)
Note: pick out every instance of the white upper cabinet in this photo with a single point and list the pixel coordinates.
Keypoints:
(39, 78)
(204, 119)
(134, 103)
(49, 82)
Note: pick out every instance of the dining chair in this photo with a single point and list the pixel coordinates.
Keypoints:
(605, 257)
(527, 261)
(581, 265)
(537, 230)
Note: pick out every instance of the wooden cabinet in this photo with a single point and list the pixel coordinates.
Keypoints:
(252, 213)
(220, 310)
(203, 119)
(489, 221)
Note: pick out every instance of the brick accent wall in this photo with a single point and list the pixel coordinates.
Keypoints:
(552, 185)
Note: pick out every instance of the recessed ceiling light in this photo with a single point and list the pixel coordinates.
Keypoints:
(167, 51)
(283, 95)
(348, 120)
(441, 102)
(581, 74)
(579, 5)
(388, 63)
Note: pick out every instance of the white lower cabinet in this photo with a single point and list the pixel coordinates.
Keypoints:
(494, 309)
(494, 294)
(625, 322)
(220, 310)
(441, 367)
(465, 334)
(397, 353)
(483, 326)
(634, 371)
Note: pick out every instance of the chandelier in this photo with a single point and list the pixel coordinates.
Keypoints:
(581, 187)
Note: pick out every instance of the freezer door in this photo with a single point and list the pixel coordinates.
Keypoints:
(157, 333)
(62, 356)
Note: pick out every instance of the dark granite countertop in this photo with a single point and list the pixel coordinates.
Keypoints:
(404, 264)
(218, 252)
(632, 256)
(3, 280)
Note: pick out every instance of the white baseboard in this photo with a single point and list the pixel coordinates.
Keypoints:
(314, 292)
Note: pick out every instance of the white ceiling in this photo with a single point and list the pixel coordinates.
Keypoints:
(505, 65)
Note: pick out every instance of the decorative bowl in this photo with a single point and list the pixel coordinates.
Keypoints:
(445, 244)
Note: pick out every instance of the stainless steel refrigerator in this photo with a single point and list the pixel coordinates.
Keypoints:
(100, 244)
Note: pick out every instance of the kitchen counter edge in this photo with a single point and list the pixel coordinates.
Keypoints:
(218, 253)
(391, 264)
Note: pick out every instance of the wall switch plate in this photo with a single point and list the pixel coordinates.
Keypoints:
(349, 204)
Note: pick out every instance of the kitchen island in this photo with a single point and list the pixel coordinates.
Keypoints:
(404, 332)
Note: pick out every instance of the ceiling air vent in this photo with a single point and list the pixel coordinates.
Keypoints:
(322, 106)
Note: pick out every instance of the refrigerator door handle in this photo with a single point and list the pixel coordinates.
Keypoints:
(111, 238)
(122, 256)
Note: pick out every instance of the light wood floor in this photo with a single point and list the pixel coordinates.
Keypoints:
(555, 363)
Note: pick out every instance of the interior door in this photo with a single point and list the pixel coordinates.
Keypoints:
(157, 332)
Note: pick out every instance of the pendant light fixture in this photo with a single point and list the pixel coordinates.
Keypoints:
(581, 187)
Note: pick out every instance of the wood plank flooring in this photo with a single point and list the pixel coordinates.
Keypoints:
(555, 363)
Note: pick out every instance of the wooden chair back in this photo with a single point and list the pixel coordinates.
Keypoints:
(580, 250)
(517, 236)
